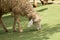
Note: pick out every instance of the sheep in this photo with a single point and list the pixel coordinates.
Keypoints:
(44, 2)
(17, 8)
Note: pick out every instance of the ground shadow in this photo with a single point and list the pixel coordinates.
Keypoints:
(42, 10)
(32, 34)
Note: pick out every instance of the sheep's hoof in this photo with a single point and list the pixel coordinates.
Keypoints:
(6, 31)
(21, 30)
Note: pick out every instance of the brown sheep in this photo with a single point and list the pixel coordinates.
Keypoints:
(19, 7)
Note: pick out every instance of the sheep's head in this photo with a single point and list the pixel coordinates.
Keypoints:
(36, 20)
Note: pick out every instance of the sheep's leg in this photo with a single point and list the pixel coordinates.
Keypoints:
(42, 1)
(1, 22)
(17, 19)
(14, 28)
(19, 26)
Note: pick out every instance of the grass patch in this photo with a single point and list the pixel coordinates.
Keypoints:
(50, 25)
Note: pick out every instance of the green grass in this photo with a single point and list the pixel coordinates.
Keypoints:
(50, 25)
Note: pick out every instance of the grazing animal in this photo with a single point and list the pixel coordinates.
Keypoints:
(17, 8)
(43, 2)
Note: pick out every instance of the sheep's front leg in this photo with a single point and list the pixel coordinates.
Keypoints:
(17, 19)
(19, 26)
(1, 22)
(14, 24)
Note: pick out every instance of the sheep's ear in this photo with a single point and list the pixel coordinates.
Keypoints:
(35, 20)
(30, 23)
